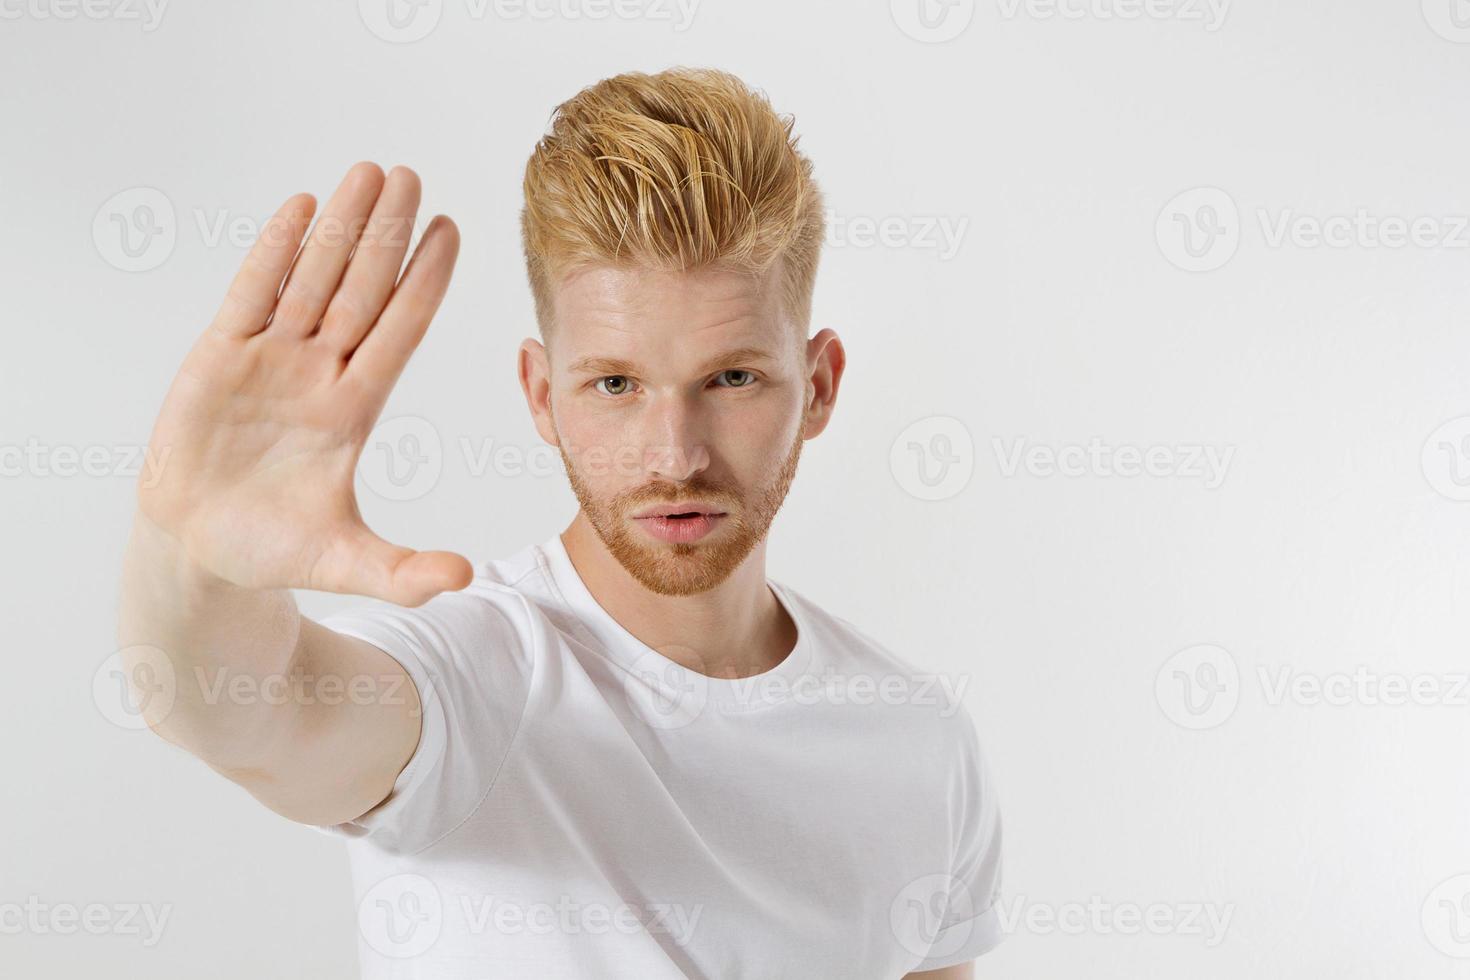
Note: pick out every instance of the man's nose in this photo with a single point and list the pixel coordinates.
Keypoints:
(674, 446)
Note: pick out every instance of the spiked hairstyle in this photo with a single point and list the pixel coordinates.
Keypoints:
(675, 171)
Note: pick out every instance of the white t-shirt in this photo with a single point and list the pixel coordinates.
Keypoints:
(580, 806)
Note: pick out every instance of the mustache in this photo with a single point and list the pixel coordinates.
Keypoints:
(703, 496)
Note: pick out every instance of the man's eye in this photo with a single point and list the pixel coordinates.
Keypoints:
(617, 382)
(744, 379)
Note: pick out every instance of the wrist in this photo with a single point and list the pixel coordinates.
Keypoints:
(163, 557)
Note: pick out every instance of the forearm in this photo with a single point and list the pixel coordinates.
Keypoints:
(218, 643)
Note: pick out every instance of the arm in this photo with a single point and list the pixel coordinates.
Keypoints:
(260, 433)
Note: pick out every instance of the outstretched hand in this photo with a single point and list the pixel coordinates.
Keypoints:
(264, 424)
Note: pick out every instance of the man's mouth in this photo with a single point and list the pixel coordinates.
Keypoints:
(679, 523)
(678, 511)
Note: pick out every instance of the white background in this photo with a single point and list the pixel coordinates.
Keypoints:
(1333, 542)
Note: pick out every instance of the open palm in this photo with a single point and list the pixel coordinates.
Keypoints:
(262, 428)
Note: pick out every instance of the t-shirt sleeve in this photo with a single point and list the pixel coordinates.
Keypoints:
(471, 658)
(969, 923)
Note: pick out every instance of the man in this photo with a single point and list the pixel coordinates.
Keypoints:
(620, 752)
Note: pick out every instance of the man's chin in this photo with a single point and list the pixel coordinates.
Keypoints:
(676, 569)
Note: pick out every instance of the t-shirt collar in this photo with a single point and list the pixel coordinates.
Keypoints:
(631, 653)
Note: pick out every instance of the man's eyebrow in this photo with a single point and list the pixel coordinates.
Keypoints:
(618, 366)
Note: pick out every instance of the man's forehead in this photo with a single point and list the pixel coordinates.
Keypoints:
(638, 313)
(616, 289)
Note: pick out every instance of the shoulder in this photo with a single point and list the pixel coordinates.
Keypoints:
(928, 704)
(447, 613)
(490, 621)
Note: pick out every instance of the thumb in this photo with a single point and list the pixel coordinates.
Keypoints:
(364, 564)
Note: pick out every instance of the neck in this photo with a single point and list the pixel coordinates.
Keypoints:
(737, 629)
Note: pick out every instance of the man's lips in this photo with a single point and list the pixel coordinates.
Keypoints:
(679, 530)
(677, 509)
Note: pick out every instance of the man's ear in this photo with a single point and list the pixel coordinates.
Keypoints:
(534, 369)
(826, 360)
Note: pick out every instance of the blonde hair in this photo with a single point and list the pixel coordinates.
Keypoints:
(671, 172)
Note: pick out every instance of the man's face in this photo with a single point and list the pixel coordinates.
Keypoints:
(677, 388)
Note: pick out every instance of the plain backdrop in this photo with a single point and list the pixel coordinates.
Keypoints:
(1079, 251)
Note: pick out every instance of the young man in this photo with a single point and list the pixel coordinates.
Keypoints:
(622, 751)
